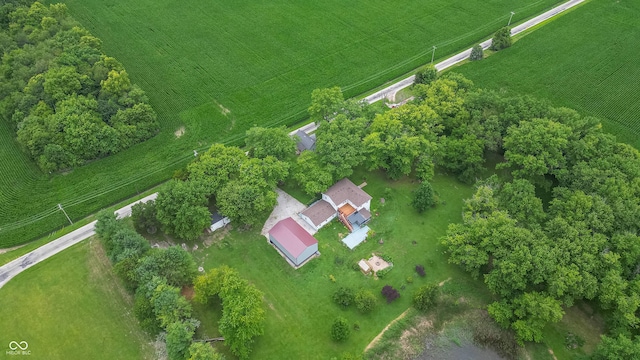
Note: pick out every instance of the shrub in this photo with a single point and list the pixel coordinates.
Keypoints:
(390, 293)
(344, 297)
(423, 197)
(144, 217)
(340, 330)
(426, 75)
(425, 297)
(382, 273)
(420, 270)
(386, 258)
(409, 279)
(501, 39)
(477, 53)
(365, 301)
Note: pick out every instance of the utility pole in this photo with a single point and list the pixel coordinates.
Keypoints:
(65, 213)
(434, 54)
(511, 17)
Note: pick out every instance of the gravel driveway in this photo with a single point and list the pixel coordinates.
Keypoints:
(287, 206)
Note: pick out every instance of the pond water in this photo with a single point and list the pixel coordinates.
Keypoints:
(467, 351)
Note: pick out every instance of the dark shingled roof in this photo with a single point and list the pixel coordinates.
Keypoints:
(293, 237)
(319, 212)
(346, 190)
(306, 142)
(215, 217)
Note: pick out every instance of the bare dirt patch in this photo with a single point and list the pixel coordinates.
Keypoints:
(187, 292)
(178, 133)
(2, 251)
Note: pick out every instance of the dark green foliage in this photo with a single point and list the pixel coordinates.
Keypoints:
(501, 39)
(400, 137)
(143, 310)
(76, 104)
(390, 293)
(181, 209)
(168, 304)
(244, 187)
(420, 270)
(426, 75)
(311, 175)
(276, 142)
(425, 297)
(383, 272)
(339, 145)
(325, 104)
(144, 217)
(340, 330)
(344, 297)
(365, 301)
(179, 337)
(527, 314)
(173, 264)
(463, 156)
(620, 347)
(423, 197)
(243, 313)
(477, 53)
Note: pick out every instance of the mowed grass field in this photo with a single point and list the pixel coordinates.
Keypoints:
(587, 60)
(71, 306)
(300, 310)
(216, 68)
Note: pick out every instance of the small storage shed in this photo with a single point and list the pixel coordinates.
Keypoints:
(293, 241)
(218, 221)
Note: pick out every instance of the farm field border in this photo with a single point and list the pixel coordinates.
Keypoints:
(591, 69)
(231, 95)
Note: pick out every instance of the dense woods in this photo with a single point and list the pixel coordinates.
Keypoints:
(67, 101)
(559, 225)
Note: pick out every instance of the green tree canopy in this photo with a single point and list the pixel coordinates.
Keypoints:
(276, 142)
(501, 39)
(181, 208)
(339, 145)
(326, 103)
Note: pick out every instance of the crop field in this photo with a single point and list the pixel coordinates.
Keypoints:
(212, 69)
(586, 60)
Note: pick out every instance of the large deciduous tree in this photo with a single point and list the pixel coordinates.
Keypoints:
(276, 142)
(243, 313)
(181, 208)
(401, 136)
(536, 148)
(501, 39)
(326, 103)
(310, 174)
(339, 145)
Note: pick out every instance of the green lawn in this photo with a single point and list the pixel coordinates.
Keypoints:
(299, 306)
(219, 67)
(587, 60)
(71, 306)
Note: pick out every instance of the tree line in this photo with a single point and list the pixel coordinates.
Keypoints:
(67, 101)
(156, 277)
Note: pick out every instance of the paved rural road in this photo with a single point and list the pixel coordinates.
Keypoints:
(10, 270)
(391, 91)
